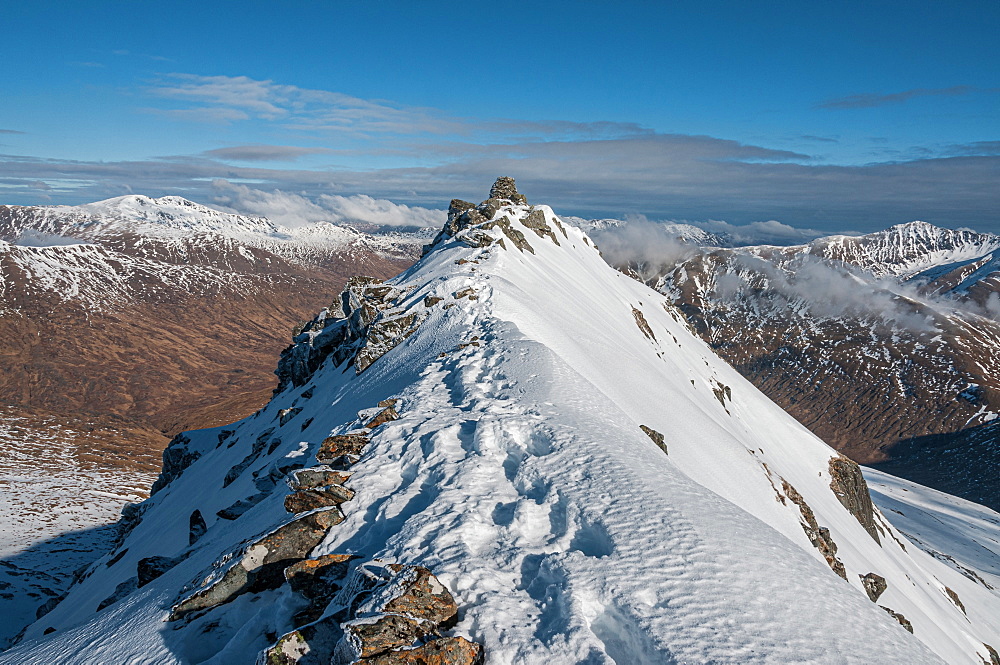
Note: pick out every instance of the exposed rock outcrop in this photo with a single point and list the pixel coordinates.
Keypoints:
(656, 437)
(874, 585)
(818, 536)
(851, 489)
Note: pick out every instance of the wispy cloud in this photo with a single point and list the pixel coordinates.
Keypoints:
(871, 100)
(263, 153)
(236, 98)
(10, 131)
(984, 148)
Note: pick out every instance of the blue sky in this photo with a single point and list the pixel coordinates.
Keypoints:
(834, 116)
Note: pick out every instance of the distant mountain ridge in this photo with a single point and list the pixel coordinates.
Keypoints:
(874, 342)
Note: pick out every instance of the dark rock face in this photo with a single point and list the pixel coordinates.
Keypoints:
(309, 645)
(640, 321)
(874, 584)
(176, 458)
(955, 599)
(535, 220)
(656, 437)
(444, 651)
(196, 527)
(122, 590)
(994, 656)
(818, 536)
(852, 491)
(150, 568)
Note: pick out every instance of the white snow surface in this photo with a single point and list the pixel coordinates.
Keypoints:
(519, 475)
(963, 534)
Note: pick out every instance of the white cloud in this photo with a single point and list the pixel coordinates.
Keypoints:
(296, 210)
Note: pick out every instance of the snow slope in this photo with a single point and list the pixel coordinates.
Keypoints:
(518, 472)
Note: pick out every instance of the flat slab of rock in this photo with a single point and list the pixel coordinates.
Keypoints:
(321, 497)
(334, 448)
(317, 476)
(444, 651)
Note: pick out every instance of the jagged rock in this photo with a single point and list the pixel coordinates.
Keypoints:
(722, 393)
(475, 238)
(306, 424)
(535, 220)
(151, 567)
(490, 207)
(285, 415)
(455, 210)
(874, 585)
(467, 292)
(640, 321)
(851, 489)
(48, 605)
(196, 527)
(371, 636)
(430, 301)
(443, 651)
(260, 564)
(241, 466)
(818, 536)
(382, 337)
(337, 332)
(317, 476)
(313, 644)
(994, 656)
(955, 599)
(514, 235)
(504, 188)
(903, 621)
(387, 414)
(656, 437)
(224, 436)
(239, 507)
(122, 590)
(176, 458)
(321, 497)
(334, 449)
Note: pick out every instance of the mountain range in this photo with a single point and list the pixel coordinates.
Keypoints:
(513, 452)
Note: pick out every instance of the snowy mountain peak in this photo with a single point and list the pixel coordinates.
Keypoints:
(585, 479)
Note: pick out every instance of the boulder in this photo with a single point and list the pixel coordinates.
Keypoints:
(176, 458)
(418, 593)
(284, 415)
(903, 621)
(122, 590)
(310, 645)
(383, 336)
(387, 414)
(817, 535)
(320, 577)
(371, 636)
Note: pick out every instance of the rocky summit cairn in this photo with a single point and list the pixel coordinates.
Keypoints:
(504, 188)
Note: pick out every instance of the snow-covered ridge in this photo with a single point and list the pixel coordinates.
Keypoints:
(589, 481)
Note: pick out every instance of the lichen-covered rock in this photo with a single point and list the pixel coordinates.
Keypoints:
(260, 564)
(316, 476)
(176, 458)
(443, 651)
(320, 497)
(656, 437)
(418, 593)
(370, 636)
(334, 448)
(851, 489)
(874, 585)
